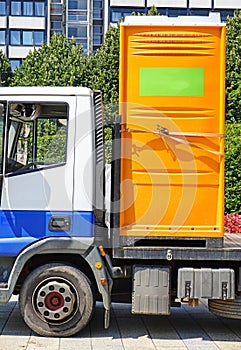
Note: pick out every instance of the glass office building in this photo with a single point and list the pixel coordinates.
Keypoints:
(57, 15)
(118, 9)
(23, 26)
(81, 19)
(85, 22)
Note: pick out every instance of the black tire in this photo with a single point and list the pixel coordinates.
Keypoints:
(56, 300)
(226, 308)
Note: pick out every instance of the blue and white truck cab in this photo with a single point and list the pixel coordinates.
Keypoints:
(52, 202)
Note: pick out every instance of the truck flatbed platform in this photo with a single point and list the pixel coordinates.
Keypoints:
(230, 250)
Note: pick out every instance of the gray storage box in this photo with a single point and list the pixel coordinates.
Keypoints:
(206, 283)
(151, 290)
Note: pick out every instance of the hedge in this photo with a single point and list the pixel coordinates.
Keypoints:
(233, 168)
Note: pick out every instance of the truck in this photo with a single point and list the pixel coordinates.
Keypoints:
(153, 234)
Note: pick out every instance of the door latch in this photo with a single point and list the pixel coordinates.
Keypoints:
(59, 223)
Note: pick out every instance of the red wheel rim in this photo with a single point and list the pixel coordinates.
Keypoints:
(54, 301)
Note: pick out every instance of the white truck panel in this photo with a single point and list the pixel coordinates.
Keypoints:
(84, 160)
(50, 188)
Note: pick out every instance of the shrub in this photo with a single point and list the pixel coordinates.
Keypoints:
(232, 223)
(233, 169)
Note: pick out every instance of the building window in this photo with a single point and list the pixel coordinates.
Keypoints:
(15, 64)
(26, 37)
(27, 8)
(225, 13)
(16, 8)
(199, 12)
(78, 32)
(177, 12)
(2, 37)
(97, 14)
(77, 15)
(15, 37)
(97, 39)
(38, 38)
(98, 29)
(2, 8)
(98, 4)
(56, 9)
(83, 43)
(56, 26)
(126, 14)
(80, 35)
(39, 9)
(116, 16)
(78, 5)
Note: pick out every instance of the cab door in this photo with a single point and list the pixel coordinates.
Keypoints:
(37, 181)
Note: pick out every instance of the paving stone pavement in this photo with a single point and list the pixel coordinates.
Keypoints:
(186, 328)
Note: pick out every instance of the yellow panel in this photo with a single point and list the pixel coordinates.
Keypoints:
(172, 104)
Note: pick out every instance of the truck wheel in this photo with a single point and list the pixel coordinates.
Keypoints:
(56, 300)
(226, 308)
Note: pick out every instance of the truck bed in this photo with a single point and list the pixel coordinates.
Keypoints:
(230, 250)
(232, 240)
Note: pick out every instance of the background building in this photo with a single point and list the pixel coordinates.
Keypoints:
(25, 24)
(121, 8)
(84, 20)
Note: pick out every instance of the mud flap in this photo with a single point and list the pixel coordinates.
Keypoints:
(103, 280)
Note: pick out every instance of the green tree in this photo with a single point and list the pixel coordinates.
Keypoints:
(233, 71)
(233, 168)
(102, 69)
(107, 59)
(5, 70)
(102, 72)
(61, 63)
(153, 11)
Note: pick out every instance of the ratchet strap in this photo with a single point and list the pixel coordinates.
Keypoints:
(180, 137)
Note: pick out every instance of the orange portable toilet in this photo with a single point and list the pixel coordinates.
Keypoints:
(172, 73)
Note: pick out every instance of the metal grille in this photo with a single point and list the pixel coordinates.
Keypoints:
(99, 138)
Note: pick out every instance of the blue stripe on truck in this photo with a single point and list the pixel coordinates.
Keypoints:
(19, 228)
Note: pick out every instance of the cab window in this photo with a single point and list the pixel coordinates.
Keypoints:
(37, 136)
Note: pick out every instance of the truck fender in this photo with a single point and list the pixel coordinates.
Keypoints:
(50, 245)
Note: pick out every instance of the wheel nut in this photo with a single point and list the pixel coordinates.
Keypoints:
(46, 313)
(65, 309)
(67, 299)
(62, 290)
(42, 294)
(56, 315)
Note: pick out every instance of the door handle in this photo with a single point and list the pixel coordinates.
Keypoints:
(59, 223)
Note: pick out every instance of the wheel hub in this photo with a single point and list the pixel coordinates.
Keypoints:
(55, 300)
